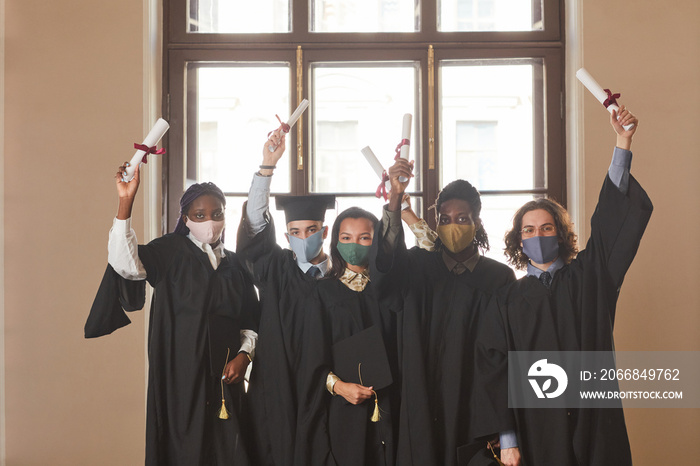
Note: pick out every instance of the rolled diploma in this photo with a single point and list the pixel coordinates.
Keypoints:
(406, 134)
(379, 170)
(155, 135)
(597, 91)
(293, 119)
(297, 113)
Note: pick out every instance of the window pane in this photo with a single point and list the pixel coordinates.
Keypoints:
(226, 16)
(237, 104)
(488, 123)
(489, 15)
(497, 214)
(364, 16)
(357, 105)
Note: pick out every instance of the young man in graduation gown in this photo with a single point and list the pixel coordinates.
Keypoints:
(286, 280)
(202, 326)
(565, 303)
(439, 297)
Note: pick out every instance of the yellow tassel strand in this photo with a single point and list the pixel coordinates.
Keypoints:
(223, 412)
(376, 415)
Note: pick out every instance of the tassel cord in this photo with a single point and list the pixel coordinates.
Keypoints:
(376, 414)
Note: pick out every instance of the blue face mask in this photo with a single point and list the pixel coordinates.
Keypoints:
(308, 248)
(541, 249)
(353, 253)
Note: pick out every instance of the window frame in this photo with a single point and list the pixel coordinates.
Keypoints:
(181, 47)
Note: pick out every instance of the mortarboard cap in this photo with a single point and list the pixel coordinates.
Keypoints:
(362, 359)
(311, 207)
(476, 454)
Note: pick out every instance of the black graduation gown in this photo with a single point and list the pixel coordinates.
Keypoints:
(196, 317)
(342, 433)
(286, 295)
(439, 315)
(577, 313)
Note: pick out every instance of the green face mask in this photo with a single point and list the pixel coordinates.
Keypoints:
(353, 253)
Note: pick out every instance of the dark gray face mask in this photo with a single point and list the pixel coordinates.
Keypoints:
(308, 248)
(541, 249)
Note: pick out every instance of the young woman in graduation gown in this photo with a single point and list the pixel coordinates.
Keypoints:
(567, 302)
(204, 314)
(351, 419)
(440, 297)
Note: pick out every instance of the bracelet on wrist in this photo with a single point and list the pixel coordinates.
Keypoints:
(268, 167)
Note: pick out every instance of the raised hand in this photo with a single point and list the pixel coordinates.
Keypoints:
(126, 190)
(275, 140)
(619, 119)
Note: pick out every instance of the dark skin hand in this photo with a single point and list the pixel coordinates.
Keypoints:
(236, 368)
(401, 168)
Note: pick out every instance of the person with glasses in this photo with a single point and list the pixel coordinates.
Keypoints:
(202, 328)
(566, 302)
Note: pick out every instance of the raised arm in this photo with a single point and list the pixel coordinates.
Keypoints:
(122, 248)
(259, 194)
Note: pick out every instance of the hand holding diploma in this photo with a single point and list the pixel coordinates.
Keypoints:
(620, 121)
(402, 169)
(604, 96)
(273, 149)
(126, 190)
(286, 127)
(384, 183)
(148, 147)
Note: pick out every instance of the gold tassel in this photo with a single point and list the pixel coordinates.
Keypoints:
(223, 412)
(495, 456)
(376, 415)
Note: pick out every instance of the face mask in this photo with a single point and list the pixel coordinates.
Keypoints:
(541, 249)
(308, 248)
(207, 232)
(456, 237)
(353, 253)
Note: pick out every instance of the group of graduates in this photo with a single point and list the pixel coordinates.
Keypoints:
(374, 354)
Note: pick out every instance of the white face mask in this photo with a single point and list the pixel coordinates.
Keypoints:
(207, 232)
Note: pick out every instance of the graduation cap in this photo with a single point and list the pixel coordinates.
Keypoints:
(362, 359)
(311, 207)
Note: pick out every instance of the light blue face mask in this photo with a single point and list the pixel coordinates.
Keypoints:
(307, 248)
(541, 249)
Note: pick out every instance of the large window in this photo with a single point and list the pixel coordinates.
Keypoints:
(482, 79)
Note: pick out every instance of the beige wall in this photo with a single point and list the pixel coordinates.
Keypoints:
(651, 53)
(73, 103)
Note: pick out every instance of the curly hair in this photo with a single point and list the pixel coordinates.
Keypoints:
(565, 231)
(463, 190)
(338, 264)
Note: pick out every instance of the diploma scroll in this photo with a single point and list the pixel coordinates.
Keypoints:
(152, 138)
(379, 170)
(607, 100)
(286, 127)
(405, 144)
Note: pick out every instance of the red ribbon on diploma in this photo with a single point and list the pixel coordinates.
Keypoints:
(283, 126)
(404, 142)
(148, 150)
(381, 190)
(612, 98)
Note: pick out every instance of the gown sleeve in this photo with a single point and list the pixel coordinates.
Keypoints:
(114, 296)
